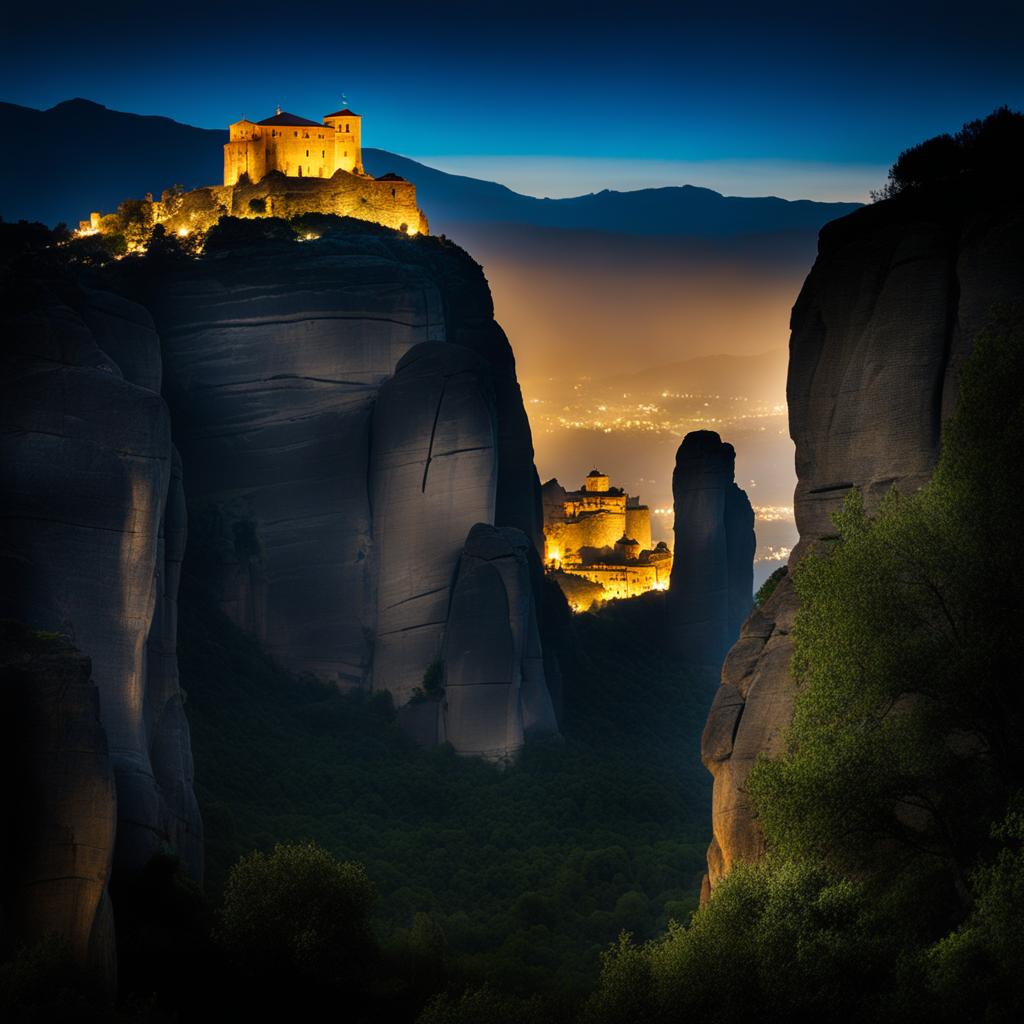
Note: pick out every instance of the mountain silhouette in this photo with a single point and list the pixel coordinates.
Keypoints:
(677, 210)
(88, 157)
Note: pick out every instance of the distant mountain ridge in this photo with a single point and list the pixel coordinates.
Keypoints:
(143, 154)
(670, 211)
(72, 175)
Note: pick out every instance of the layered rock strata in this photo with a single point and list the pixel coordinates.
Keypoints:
(712, 581)
(879, 332)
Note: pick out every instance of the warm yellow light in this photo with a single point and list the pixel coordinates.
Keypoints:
(182, 232)
(412, 231)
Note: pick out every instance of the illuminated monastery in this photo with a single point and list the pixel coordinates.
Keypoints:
(283, 166)
(295, 146)
(603, 535)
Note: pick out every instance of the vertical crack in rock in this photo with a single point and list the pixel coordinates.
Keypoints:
(433, 434)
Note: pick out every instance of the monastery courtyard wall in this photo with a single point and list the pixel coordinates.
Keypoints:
(389, 202)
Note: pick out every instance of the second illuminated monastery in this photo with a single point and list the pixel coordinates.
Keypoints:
(597, 543)
(295, 146)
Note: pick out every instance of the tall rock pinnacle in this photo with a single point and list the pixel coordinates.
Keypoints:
(713, 573)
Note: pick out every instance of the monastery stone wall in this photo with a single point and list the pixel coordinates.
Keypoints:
(391, 203)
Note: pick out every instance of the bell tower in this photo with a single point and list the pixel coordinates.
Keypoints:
(348, 139)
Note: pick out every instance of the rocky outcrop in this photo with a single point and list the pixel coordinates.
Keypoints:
(59, 801)
(87, 469)
(433, 474)
(712, 580)
(879, 333)
(275, 355)
(91, 542)
(495, 691)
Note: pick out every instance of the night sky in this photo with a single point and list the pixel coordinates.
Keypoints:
(815, 98)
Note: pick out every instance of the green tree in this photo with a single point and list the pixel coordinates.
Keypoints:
(905, 740)
(779, 941)
(298, 908)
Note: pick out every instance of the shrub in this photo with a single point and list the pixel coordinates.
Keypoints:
(777, 941)
(978, 965)
(484, 1005)
(768, 587)
(298, 909)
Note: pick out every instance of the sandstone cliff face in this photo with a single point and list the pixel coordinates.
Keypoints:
(496, 692)
(713, 571)
(336, 543)
(87, 463)
(433, 474)
(879, 333)
(90, 545)
(347, 409)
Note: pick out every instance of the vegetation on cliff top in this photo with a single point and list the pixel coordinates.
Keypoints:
(989, 150)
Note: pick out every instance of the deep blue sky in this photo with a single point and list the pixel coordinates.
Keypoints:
(844, 86)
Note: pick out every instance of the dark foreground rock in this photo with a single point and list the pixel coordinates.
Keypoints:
(59, 801)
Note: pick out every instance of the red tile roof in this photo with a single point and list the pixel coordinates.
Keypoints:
(343, 113)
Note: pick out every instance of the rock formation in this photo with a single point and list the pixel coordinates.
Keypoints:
(496, 693)
(347, 413)
(711, 588)
(275, 353)
(87, 462)
(90, 545)
(433, 474)
(59, 800)
(879, 333)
